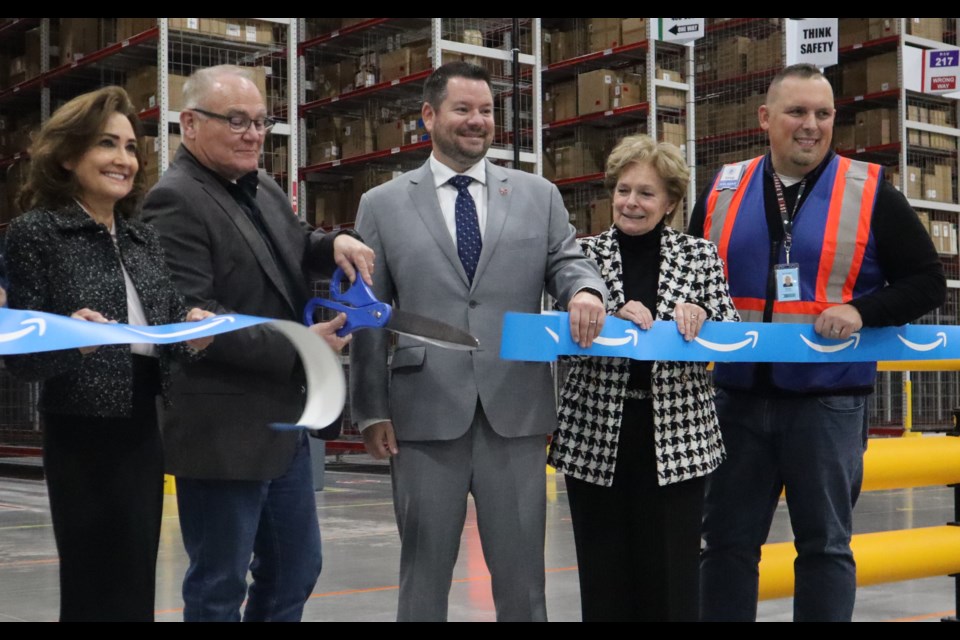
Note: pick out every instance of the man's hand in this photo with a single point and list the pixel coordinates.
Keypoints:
(839, 322)
(586, 317)
(353, 256)
(380, 440)
(328, 331)
(196, 315)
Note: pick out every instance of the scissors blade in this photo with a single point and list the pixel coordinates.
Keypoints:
(430, 331)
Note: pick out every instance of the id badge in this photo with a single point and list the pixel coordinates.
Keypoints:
(730, 176)
(788, 282)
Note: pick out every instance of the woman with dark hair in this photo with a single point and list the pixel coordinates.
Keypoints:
(636, 439)
(75, 253)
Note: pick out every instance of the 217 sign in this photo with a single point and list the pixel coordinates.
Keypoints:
(943, 58)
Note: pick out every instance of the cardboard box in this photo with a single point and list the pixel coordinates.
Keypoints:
(326, 80)
(578, 159)
(854, 78)
(394, 64)
(876, 127)
(706, 119)
(628, 92)
(184, 24)
(633, 30)
(727, 118)
(944, 236)
(603, 33)
(594, 90)
(324, 151)
(601, 215)
(882, 72)
(853, 31)
(78, 37)
(883, 27)
(749, 111)
(129, 27)
(844, 137)
(563, 97)
(914, 183)
(564, 45)
(767, 53)
(671, 98)
(944, 174)
(731, 57)
(674, 133)
(924, 219)
(670, 75)
(390, 135)
(142, 87)
(328, 208)
(404, 62)
(930, 28)
(357, 138)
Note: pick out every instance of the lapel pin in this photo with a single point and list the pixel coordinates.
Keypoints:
(503, 191)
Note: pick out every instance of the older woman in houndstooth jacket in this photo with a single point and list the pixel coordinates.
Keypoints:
(636, 439)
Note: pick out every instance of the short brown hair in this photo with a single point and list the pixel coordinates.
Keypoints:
(801, 70)
(664, 157)
(66, 136)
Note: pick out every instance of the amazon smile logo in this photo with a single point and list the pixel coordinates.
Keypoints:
(941, 340)
(632, 335)
(833, 348)
(752, 336)
(184, 332)
(38, 324)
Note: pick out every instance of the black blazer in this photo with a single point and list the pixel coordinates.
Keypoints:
(62, 260)
(221, 406)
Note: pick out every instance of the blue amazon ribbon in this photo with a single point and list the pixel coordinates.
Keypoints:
(35, 331)
(545, 337)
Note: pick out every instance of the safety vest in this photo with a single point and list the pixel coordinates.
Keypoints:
(832, 245)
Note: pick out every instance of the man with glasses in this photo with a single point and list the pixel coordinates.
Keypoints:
(234, 245)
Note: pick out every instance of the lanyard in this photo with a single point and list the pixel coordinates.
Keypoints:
(787, 217)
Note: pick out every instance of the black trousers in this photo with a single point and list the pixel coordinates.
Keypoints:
(105, 480)
(638, 544)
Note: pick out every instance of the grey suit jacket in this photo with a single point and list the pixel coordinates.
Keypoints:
(431, 393)
(221, 406)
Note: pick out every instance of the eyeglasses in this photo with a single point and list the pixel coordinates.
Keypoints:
(241, 123)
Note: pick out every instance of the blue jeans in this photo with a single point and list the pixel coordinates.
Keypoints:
(226, 522)
(812, 446)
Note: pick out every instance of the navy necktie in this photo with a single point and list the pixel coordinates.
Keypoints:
(469, 242)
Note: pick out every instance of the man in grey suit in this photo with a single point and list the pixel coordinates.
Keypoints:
(234, 245)
(456, 423)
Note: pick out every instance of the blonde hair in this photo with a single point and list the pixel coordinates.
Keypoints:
(664, 157)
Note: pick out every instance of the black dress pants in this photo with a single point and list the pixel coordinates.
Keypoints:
(105, 481)
(638, 544)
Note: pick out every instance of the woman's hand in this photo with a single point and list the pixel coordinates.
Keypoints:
(635, 312)
(690, 318)
(88, 315)
(196, 315)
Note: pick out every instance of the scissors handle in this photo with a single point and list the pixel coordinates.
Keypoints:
(363, 310)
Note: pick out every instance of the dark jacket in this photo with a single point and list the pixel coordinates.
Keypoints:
(60, 261)
(218, 427)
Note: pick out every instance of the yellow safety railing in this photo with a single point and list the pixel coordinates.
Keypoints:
(889, 556)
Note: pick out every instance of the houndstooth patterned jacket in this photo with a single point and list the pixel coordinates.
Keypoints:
(687, 436)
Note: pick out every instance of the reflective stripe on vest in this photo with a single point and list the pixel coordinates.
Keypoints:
(846, 234)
